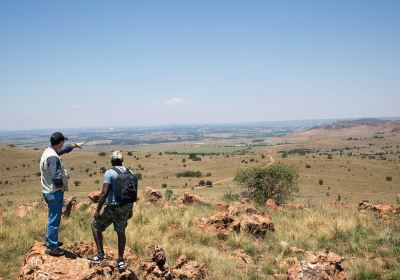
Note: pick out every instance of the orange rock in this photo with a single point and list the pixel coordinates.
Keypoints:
(38, 265)
(94, 196)
(192, 198)
(272, 204)
(317, 265)
(185, 269)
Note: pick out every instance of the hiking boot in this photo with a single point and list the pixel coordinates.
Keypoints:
(59, 244)
(100, 257)
(121, 265)
(56, 252)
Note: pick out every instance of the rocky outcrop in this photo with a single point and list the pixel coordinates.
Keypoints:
(186, 269)
(152, 195)
(383, 209)
(94, 196)
(192, 198)
(74, 265)
(69, 204)
(24, 209)
(224, 223)
(317, 266)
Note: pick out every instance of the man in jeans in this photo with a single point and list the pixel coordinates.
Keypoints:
(114, 212)
(54, 181)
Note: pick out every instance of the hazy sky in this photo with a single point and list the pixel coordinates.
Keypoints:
(118, 63)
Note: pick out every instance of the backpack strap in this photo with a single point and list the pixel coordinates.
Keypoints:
(120, 172)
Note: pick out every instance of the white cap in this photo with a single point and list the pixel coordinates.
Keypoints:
(117, 155)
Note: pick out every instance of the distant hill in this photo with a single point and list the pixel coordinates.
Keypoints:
(352, 123)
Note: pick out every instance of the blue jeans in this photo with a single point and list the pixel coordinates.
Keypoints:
(54, 203)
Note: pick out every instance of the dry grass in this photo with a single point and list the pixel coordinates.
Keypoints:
(364, 239)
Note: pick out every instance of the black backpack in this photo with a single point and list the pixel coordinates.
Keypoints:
(126, 186)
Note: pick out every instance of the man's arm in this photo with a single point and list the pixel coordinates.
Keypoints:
(68, 148)
(102, 199)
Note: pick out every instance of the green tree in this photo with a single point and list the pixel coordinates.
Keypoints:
(278, 182)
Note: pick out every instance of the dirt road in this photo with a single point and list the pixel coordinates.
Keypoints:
(271, 161)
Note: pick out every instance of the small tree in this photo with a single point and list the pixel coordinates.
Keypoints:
(278, 182)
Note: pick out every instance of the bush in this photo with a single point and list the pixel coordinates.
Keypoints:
(278, 182)
(168, 194)
(202, 183)
(320, 182)
(189, 173)
(77, 183)
(389, 178)
(209, 183)
(130, 154)
(164, 185)
(229, 197)
(308, 166)
(139, 176)
(102, 154)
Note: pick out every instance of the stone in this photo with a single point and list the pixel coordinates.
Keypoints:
(69, 204)
(186, 269)
(94, 196)
(192, 198)
(317, 265)
(152, 195)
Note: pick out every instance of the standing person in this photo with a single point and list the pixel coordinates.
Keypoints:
(54, 181)
(120, 190)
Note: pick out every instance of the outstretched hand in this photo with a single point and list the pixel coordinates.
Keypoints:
(79, 145)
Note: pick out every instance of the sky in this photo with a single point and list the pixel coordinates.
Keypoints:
(70, 64)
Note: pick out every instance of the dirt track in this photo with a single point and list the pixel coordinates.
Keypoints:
(271, 161)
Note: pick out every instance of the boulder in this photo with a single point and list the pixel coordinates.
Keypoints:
(317, 265)
(272, 204)
(255, 224)
(383, 209)
(69, 203)
(156, 267)
(219, 223)
(23, 209)
(74, 265)
(223, 223)
(192, 198)
(186, 269)
(152, 195)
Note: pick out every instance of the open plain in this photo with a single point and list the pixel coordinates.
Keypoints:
(338, 167)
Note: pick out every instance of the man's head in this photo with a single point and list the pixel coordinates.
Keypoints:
(117, 158)
(57, 140)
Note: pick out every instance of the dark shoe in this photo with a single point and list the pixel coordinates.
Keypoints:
(100, 257)
(59, 244)
(56, 252)
(120, 265)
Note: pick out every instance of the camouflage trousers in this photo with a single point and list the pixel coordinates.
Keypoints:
(117, 215)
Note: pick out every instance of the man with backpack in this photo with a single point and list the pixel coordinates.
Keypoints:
(119, 193)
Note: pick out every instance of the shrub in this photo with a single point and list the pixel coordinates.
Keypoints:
(97, 181)
(168, 194)
(189, 173)
(229, 197)
(38, 174)
(320, 182)
(209, 183)
(389, 178)
(263, 182)
(130, 154)
(308, 166)
(102, 154)
(164, 185)
(103, 170)
(77, 183)
(94, 162)
(202, 183)
(183, 160)
(139, 176)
